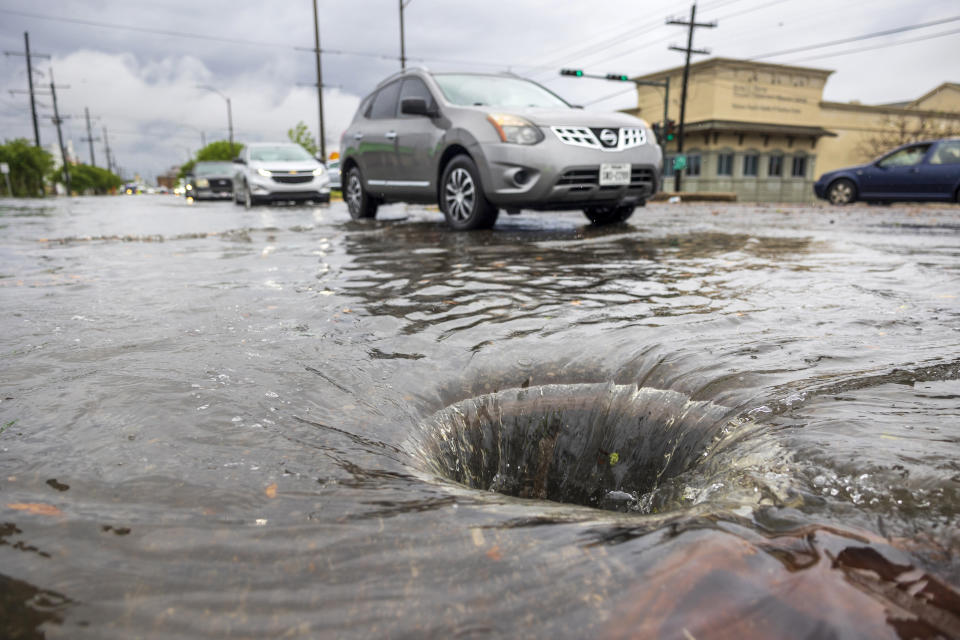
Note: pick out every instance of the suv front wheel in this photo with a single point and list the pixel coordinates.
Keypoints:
(359, 202)
(462, 199)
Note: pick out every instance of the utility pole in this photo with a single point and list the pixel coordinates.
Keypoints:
(403, 53)
(57, 120)
(106, 148)
(316, 51)
(33, 103)
(90, 139)
(677, 181)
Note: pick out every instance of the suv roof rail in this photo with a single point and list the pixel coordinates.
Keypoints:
(400, 74)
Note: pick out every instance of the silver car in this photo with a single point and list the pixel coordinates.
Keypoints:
(476, 143)
(279, 172)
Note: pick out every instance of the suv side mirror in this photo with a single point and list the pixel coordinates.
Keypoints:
(238, 160)
(416, 107)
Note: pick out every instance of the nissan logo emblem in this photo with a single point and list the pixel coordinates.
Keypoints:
(609, 137)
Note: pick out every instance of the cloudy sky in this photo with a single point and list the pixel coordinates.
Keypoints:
(137, 65)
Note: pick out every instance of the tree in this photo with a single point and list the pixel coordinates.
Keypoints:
(301, 135)
(219, 151)
(93, 180)
(28, 166)
(899, 130)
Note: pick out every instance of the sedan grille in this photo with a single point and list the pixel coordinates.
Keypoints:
(221, 183)
(627, 137)
(293, 179)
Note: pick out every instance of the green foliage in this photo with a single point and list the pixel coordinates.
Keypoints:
(301, 135)
(28, 166)
(219, 151)
(87, 179)
(186, 168)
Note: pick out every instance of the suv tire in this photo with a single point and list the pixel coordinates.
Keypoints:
(462, 199)
(613, 214)
(359, 202)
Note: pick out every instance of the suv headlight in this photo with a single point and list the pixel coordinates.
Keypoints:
(264, 173)
(203, 183)
(318, 171)
(515, 129)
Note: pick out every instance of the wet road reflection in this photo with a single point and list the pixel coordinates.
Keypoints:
(728, 420)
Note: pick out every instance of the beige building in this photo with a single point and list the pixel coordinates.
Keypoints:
(764, 131)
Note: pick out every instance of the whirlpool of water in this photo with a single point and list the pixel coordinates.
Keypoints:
(713, 422)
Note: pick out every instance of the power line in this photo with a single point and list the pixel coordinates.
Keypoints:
(653, 43)
(879, 46)
(257, 43)
(867, 36)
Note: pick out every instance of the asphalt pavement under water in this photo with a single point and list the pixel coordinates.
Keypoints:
(714, 421)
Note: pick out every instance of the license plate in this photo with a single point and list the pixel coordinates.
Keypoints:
(613, 174)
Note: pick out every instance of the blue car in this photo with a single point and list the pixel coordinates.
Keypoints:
(920, 171)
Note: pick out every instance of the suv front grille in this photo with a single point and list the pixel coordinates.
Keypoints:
(298, 179)
(627, 137)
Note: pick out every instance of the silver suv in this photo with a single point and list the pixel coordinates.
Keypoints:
(278, 172)
(475, 143)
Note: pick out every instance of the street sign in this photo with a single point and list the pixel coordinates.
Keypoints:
(4, 167)
(680, 163)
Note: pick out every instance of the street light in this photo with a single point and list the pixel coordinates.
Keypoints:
(229, 110)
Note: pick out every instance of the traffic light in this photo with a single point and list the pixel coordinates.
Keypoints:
(658, 131)
(572, 72)
(671, 132)
(617, 76)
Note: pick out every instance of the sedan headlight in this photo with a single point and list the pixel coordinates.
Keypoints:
(264, 173)
(202, 183)
(515, 129)
(318, 171)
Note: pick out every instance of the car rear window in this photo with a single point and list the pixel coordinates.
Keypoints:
(496, 91)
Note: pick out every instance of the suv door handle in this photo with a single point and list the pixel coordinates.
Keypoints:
(390, 135)
(358, 136)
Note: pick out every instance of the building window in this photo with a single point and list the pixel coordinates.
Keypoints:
(750, 163)
(693, 165)
(799, 168)
(725, 164)
(775, 166)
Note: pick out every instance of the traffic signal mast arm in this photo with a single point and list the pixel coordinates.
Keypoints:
(667, 128)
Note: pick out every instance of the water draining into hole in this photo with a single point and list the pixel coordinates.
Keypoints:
(599, 445)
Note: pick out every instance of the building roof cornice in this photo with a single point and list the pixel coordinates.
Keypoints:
(738, 64)
(889, 109)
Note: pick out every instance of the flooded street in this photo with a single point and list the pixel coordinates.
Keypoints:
(716, 421)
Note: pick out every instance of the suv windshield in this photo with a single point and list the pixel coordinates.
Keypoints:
(213, 168)
(496, 91)
(280, 153)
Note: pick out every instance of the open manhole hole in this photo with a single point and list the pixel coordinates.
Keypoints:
(599, 445)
